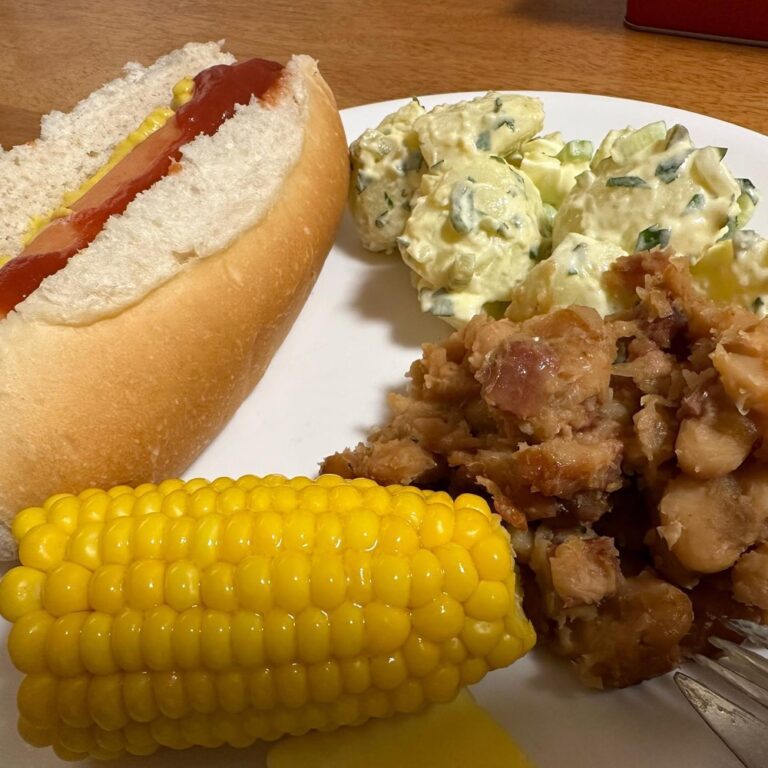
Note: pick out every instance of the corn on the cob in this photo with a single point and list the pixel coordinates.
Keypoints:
(208, 613)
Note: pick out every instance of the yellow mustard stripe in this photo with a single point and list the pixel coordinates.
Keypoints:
(182, 93)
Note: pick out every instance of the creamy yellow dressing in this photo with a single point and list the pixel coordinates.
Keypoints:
(471, 236)
(652, 186)
(573, 274)
(456, 734)
(736, 270)
(386, 171)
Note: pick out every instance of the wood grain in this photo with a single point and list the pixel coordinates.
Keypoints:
(52, 54)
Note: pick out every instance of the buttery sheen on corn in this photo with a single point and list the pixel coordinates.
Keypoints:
(204, 613)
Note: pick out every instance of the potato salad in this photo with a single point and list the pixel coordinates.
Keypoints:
(492, 216)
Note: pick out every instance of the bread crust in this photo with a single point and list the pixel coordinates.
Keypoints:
(136, 397)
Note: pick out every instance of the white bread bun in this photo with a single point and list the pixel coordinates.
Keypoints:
(124, 365)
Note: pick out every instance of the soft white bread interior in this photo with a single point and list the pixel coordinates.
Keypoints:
(123, 366)
(74, 145)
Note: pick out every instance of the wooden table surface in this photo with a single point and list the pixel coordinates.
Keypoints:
(54, 53)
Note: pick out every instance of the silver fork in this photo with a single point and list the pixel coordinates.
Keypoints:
(744, 732)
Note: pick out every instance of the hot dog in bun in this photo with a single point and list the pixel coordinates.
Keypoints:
(156, 244)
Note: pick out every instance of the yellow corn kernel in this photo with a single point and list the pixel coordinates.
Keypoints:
(117, 541)
(387, 628)
(267, 530)
(36, 700)
(149, 535)
(224, 612)
(179, 538)
(157, 638)
(290, 581)
(27, 641)
(439, 620)
(460, 577)
(176, 503)
(204, 549)
(362, 530)
(253, 583)
(489, 601)
(329, 534)
(72, 701)
(437, 526)
(299, 531)
(279, 637)
(64, 513)
(95, 644)
(43, 547)
(186, 639)
(126, 640)
(426, 578)
(238, 533)
(248, 639)
(217, 587)
(21, 592)
(144, 584)
(492, 556)
(359, 578)
(170, 695)
(84, 546)
(66, 589)
(215, 640)
(327, 583)
(182, 585)
(105, 589)
(324, 682)
(26, 520)
(313, 633)
(139, 697)
(421, 655)
(347, 630)
(62, 645)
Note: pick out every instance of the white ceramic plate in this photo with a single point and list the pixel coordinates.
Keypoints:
(354, 340)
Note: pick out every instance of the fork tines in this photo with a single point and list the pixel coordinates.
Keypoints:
(745, 732)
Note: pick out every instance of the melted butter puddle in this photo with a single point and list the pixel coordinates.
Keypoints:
(443, 736)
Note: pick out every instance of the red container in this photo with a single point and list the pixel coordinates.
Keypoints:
(742, 21)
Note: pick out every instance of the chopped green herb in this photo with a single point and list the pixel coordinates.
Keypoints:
(677, 133)
(470, 178)
(667, 169)
(441, 306)
(576, 151)
(504, 120)
(412, 161)
(388, 201)
(503, 229)
(748, 189)
(627, 181)
(362, 180)
(498, 159)
(497, 104)
(436, 165)
(652, 237)
(571, 272)
(379, 220)
(722, 151)
(696, 202)
(462, 212)
(483, 142)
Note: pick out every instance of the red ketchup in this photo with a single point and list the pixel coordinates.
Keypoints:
(217, 91)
